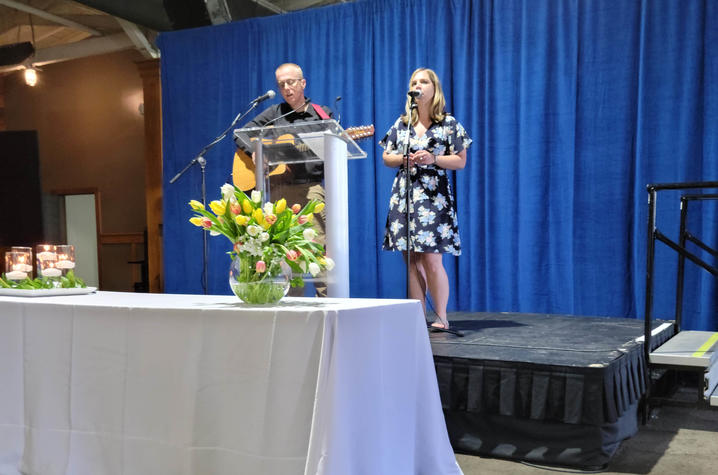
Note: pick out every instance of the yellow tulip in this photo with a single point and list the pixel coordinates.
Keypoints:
(310, 218)
(197, 221)
(196, 205)
(258, 216)
(246, 206)
(280, 206)
(319, 207)
(218, 207)
(242, 220)
(266, 225)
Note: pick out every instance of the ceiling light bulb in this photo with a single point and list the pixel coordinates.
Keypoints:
(30, 76)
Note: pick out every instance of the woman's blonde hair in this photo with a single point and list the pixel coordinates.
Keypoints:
(436, 111)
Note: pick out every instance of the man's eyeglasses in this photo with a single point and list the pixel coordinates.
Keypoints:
(288, 82)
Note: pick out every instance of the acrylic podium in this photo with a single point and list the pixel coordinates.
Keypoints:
(298, 145)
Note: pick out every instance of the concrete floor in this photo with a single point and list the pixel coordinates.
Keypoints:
(676, 440)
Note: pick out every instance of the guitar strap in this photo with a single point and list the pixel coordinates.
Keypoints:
(323, 115)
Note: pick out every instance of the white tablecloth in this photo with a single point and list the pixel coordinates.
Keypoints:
(118, 383)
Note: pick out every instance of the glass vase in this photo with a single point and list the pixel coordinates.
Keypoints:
(253, 288)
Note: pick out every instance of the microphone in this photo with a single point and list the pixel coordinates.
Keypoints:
(415, 94)
(267, 95)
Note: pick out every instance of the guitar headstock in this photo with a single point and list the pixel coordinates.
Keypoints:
(360, 132)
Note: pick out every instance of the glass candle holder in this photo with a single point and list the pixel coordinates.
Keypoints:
(65, 258)
(27, 260)
(46, 260)
(16, 265)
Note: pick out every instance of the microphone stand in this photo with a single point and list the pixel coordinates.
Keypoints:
(407, 182)
(202, 162)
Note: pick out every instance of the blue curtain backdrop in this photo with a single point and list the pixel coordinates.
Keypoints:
(574, 106)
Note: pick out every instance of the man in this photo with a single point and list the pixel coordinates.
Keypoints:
(305, 181)
(291, 84)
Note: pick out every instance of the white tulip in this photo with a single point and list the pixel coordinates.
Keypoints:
(256, 196)
(227, 191)
(309, 234)
(314, 269)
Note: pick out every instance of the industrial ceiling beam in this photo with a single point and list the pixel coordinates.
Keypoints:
(49, 16)
(139, 39)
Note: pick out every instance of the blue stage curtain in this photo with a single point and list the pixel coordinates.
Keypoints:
(574, 107)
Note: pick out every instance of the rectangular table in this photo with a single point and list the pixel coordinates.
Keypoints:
(120, 383)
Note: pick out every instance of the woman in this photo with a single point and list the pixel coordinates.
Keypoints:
(438, 143)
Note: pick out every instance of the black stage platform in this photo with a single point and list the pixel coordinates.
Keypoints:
(549, 389)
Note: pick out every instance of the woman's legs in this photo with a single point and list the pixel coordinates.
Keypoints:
(417, 279)
(438, 283)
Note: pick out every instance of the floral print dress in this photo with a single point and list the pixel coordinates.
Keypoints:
(434, 226)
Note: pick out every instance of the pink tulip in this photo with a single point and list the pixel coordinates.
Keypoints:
(236, 208)
(302, 219)
(296, 208)
(261, 266)
(206, 223)
(292, 255)
(270, 219)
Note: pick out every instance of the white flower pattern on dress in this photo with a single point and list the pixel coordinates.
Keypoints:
(444, 230)
(430, 182)
(433, 224)
(440, 201)
(426, 216)
(418, 194)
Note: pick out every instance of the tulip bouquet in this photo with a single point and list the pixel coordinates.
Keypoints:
(268, 239)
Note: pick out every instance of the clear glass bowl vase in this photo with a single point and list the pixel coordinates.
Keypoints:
(265, 289)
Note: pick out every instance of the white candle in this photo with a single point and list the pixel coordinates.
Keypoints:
(26, 268)
(16, 275)
(51, 272)
(65, 265)
(46, 255)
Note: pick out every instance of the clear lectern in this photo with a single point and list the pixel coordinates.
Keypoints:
(277, 149)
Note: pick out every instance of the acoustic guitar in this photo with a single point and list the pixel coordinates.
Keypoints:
(243, 167)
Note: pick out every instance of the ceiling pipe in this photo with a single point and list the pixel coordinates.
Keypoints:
(79, 49)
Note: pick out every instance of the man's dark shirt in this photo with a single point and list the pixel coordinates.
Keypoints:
(311, 169)
(278, 110)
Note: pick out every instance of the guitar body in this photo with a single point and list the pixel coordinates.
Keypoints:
(243, 171)
(243, 174)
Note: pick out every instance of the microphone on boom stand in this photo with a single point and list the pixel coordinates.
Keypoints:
(199, 159)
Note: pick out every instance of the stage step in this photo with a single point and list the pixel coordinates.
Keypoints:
(694, 350)
(688, 348)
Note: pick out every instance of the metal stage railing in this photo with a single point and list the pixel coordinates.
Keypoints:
(654, 234)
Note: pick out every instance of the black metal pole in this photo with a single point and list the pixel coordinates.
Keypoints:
(205, 266)
(650, 251)
(407, 188)
(681, 264)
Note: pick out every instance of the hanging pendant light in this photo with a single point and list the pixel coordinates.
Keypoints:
(30, 76)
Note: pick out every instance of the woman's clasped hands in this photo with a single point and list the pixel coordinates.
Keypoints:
(422, 157)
